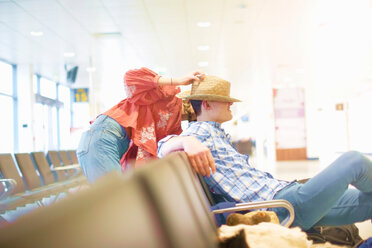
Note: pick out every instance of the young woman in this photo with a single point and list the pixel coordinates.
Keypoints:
(132, 128)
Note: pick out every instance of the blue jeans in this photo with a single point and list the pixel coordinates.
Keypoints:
(327, 200)
(102, 147)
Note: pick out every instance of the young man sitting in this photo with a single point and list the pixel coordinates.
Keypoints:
(323, 200)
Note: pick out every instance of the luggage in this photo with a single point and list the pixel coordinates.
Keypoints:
(339, 235)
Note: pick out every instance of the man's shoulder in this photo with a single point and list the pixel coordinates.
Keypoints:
(200, 124)
(200, 127)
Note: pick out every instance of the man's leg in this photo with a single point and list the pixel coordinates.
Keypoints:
(353, 206)
(314, 199)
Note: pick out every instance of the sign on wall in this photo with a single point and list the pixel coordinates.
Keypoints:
(81, 95)
(290, 131)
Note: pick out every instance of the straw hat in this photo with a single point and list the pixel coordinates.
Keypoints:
(212, 88)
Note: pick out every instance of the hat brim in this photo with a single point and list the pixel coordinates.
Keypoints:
(184, 94)
(207, 97)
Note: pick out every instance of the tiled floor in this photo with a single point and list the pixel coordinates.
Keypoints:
(291, 170)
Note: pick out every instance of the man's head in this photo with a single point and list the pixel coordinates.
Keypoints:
(211, 99)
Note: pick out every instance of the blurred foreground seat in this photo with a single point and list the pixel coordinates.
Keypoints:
(115, 212)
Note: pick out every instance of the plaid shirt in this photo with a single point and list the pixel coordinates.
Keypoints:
(235, 179)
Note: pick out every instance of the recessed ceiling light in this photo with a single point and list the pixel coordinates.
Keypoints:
(203, 48)
(287, 79)
(204, 24)
(36, 33)
(107, 35)
(203, 63)
(69, 54)
(300, 71)
(91, 69)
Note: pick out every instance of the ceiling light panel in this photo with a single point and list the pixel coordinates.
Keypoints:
(203, 63)
(203, 24)
(36, 33)
(69, 54)
(203, 48)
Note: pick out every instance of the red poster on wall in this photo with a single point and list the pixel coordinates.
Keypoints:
(289, 115)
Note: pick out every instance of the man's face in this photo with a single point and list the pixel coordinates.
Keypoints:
(220, 111)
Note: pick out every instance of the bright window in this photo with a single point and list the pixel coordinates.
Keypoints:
(45, 111)
(6, 72)
(7, 108)
(6, 125)
(48, 88)
(64, 95)
(34, 83)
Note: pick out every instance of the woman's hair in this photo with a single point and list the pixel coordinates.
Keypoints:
(196, 105)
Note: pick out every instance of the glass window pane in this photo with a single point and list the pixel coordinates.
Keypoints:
(6, 72)
(48, 88)
(6, 125)
(34, 83)
(53, 131)
(39, 127)
(81, 117)
(64, 95)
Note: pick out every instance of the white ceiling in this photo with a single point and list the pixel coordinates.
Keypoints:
(322, 45)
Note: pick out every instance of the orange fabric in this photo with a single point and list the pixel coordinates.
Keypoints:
(151, 111)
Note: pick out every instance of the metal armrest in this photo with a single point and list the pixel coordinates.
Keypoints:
(67, 167)
(264, 204)
(12, 184)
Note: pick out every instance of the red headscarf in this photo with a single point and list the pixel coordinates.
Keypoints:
(151, 111)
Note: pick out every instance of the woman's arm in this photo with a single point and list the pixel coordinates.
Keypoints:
(185, 80)
(141, 84)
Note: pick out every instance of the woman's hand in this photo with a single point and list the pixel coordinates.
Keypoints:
(196, 76)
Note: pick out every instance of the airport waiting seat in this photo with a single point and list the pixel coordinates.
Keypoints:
(46, 169)
(65, 157)
(149, 208)
(29, 173)
(73, 156)
(160, 204)
(46, 172)
(196, 182)
(179, 163)
(28, 170)
(43, 167)
(183, 206)
(35, 191)
(67, 161)
(4, 188)
(19, 195)
(186, 221)
(115, 212)
(27, 167)
(8, 169)
(11, 193)
(55, 161)
(221, 207)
